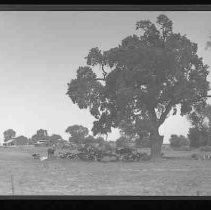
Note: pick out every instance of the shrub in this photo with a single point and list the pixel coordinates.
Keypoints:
(183, 148)
(91, 153)
(178, 141)
(197, 137)
(195, 156)
(203, 140)
(122, 142)
(205, 148)
(144, 142)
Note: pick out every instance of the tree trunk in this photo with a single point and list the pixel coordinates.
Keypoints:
(209, 137)
(156, 145)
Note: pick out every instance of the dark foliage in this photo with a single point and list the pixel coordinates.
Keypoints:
(41, 134)
(21, 140)
(9, 134)
(178, 141)
(142, 80)
(78, 133)
(91, 153)
(197, 137)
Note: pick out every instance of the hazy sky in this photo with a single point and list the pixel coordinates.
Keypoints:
(41, 51)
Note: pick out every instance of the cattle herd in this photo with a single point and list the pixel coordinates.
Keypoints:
(201, 156)
(91, 153)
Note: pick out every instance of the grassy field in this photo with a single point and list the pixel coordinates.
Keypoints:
(178, 175)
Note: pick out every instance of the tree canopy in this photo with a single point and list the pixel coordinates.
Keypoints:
(77, 132)
(9, 134)
(21, 140)
(142, 79)
(41, 134)
(200, 133)
(55, 137)
(201, 118)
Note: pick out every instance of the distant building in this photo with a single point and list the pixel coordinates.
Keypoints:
(20, 140)
(10, 142)
(42, 143)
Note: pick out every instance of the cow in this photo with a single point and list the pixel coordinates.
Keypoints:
(36, 156)
(51, 151)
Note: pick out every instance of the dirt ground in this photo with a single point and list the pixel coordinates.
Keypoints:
(178, 175)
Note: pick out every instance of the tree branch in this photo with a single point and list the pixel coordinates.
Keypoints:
(102, 79)
(168, 109)
(164, 114)
(104, 72)
(153, 114)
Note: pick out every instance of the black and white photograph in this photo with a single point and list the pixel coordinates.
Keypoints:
(105, 103)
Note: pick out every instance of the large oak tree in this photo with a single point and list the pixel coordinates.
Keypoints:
(142, 80)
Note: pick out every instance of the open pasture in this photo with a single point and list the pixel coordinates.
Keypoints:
(177, 175)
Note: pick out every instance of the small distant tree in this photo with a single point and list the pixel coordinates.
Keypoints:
(54, 138)
(21, 140)
(178, 141)
(40, 135)
(78, 133)
(9, 134)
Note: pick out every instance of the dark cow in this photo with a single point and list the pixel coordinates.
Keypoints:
(122, 151)
(36, 156)
(51, 151)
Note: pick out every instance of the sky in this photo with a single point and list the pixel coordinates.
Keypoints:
(40, 52)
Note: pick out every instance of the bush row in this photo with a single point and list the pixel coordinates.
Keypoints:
(91, 153)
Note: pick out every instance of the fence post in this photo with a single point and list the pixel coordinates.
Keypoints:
(12, 184)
